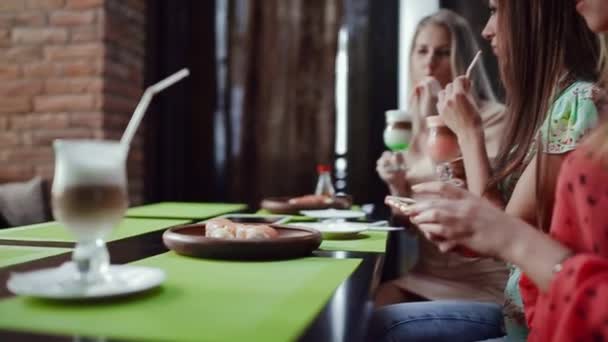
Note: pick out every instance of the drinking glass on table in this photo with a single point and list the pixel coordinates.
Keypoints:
(89, 198)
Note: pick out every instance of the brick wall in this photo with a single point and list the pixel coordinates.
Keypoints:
(68, 69)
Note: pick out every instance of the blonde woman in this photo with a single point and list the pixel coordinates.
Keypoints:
(443, 46)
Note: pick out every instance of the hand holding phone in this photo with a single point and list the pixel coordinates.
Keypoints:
(399, 200)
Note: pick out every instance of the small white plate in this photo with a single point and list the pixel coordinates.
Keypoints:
(58, 283)
(333, 214)
(335, 230)
(256, 218)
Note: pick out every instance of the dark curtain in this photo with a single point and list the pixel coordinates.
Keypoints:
(179, 123)
(279, 113)
(372, 86)
(257, 113)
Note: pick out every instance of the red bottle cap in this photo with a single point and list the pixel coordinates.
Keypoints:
(323, 168)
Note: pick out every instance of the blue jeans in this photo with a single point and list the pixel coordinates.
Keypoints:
(437, 321)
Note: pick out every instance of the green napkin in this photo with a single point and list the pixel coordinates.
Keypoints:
(201, 300)
(185, 210)
(13, 255)
(365, 242)
(54, 231)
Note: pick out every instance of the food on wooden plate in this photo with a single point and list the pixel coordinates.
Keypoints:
(259, 231)
(226, 229)
(220, 228)
(311, 200)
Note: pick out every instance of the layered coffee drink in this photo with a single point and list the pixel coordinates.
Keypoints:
(90, 208)
(89, 190)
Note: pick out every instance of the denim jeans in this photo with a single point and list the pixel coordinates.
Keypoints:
(437, 321)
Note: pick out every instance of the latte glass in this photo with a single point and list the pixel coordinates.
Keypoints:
(89, 198)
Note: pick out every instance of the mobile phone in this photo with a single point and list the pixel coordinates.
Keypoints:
(400, 200)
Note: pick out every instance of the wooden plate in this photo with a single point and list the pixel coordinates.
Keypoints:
(190, 240)
(281, 205)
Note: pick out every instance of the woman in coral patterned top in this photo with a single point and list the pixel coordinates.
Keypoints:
(575, 300)
(565, 282)
(574, 304)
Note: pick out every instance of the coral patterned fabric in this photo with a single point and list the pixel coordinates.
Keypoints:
(575, 308)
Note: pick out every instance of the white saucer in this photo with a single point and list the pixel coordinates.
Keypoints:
(58, 283)
(335, 230)
(257, 218)
(333, 214)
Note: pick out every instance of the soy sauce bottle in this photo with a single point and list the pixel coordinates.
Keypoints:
(324, 185)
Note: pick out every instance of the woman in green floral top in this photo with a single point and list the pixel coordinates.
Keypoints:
(572, 116)
(564, 64)
(548, 60)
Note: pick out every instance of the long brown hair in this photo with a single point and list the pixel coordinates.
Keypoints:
(543, 40)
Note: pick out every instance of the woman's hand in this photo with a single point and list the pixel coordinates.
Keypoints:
(450, 216)
(425, 96)
(423, 102)
(392, 169)
(456, 106)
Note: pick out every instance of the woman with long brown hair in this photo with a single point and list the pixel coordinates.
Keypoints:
(545, 52)
(547, 59)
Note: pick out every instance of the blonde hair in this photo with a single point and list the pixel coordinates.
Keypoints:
(463, 50)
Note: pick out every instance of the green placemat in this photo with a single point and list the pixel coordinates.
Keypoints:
(53, 231)
(200, 301)
(13, 255)
(366, 242)
(185, 210)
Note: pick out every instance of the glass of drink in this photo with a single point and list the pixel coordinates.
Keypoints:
(442, 148)
(89, 198)
(398, 131)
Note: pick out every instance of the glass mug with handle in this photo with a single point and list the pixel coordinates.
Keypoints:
(443, 150)
(89, 197)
